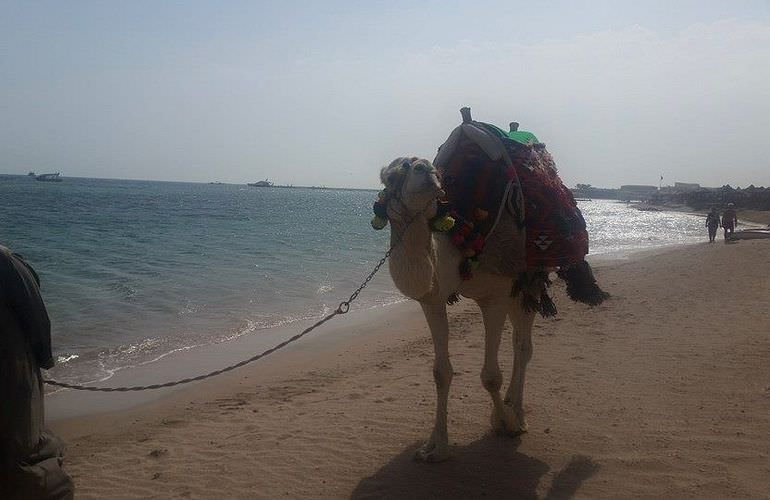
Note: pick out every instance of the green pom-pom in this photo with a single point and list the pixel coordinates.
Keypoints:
(379, 222)
(443, 224)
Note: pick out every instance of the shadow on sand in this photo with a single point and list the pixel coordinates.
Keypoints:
(488, 468)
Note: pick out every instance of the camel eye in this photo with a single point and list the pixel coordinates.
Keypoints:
(419, 168)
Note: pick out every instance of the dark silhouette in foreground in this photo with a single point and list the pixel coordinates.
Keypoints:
(30, 457)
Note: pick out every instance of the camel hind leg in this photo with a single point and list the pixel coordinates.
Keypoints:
(522, 352)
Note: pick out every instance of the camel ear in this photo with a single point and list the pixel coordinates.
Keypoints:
(384, 177)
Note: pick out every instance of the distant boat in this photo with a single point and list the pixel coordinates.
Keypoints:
(31, 173)
(49, 177)
(260, 184)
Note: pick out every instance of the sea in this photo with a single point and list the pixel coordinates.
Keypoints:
(132, 271)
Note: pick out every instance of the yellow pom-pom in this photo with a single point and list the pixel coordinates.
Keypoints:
(379, 222)
(443, 224)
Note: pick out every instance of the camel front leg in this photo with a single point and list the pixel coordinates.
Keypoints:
(436, 449)
(522, 352)
(494, 315)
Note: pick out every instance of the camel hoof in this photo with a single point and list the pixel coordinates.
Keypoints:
(509, 424)
(431, 454)
(512, 433)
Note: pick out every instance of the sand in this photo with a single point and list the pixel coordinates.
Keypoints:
(759, 217)
(663, 391)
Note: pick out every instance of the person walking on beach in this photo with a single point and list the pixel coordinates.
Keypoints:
(712, 223)
(30, 457)
(729, 220)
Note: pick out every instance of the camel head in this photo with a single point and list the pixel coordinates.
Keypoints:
(410, 185)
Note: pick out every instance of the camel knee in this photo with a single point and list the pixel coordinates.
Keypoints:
(491, 379)
(442, 375)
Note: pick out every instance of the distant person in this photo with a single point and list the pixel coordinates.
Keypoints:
(729, 220)
(712, 223)
(30, 457)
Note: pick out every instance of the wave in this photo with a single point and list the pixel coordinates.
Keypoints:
(91, 367)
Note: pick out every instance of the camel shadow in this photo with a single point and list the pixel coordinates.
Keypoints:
(488, 468)
(566, 483)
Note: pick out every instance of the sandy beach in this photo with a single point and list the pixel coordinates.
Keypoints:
(663, 391)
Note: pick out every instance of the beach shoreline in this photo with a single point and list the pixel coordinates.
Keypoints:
(194, 360)
(665, 380)
(124, 351)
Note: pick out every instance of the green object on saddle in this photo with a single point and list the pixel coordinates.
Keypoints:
(520, 136)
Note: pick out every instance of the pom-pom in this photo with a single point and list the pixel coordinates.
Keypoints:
(379, 222)
(478, 243)
(465, 230)
(380, 210)
(443, 224)
(457, 239)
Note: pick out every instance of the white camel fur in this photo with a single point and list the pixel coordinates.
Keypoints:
(425, 267)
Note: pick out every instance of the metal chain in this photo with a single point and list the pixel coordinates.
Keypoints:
(343, 308)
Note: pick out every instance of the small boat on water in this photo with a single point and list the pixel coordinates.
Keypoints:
(31, 174)
(751, 234)
(49, 177)
(259, 184)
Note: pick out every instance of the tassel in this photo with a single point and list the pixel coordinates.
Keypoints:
(581, 284)
(547, 307)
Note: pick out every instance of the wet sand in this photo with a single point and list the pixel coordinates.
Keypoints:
(663, 391)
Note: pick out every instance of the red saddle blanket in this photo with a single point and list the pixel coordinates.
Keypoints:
(556, 231)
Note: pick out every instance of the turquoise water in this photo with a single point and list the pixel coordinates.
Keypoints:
(134, 270)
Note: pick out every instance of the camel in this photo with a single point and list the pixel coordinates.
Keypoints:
(425, 266)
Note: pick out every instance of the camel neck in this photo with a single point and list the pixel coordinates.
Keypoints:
(416, 237)
(412, 263)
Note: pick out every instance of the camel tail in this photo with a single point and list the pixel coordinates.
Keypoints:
(581, 284)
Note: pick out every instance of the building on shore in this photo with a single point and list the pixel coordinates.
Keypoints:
(686, 187)
(636, 192)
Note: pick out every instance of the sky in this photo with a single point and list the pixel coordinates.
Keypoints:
(327, 92)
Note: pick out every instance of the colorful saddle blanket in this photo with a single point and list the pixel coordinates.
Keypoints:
(476, 164)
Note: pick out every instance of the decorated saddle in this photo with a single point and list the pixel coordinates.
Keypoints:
(487, 172)
(508, 212)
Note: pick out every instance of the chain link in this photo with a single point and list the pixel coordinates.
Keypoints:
(343, 308)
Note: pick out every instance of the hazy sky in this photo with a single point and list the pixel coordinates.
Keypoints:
(326, 92)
